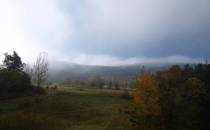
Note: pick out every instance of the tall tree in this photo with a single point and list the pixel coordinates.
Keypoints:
(13, 80)
(41, 69)
(147, 103)
(13, 62)
(169, 82)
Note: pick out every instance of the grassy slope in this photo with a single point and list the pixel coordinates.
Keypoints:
(76, 108)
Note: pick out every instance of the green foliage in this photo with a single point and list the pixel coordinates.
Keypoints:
(190, 103)
(14, 82)
(193, 89)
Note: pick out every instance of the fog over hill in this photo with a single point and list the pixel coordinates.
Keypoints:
(62, 71)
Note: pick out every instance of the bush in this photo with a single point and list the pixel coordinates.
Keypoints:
(37, 91)
(14, 83)
(126, 95)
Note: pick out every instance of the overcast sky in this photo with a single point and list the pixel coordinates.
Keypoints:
(106, 32)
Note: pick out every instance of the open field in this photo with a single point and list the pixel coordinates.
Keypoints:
(67, 108)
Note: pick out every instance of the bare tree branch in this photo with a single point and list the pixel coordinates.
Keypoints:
(41, 69)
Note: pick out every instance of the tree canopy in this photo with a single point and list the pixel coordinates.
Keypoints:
(13, 62)
(173, 99)
(13, 80)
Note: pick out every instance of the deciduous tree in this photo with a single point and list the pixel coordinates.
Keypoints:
(41, 69)
(147, 103)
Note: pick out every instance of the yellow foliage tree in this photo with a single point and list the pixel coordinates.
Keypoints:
(146, 95)
(147, 103)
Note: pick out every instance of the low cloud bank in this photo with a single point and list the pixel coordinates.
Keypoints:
(106, 60)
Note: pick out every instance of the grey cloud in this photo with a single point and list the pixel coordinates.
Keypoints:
(112, 26)
(112, 30)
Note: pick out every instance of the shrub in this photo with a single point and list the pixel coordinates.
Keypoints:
(126, 95)
(14, 83)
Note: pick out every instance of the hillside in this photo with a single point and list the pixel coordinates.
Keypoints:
(68, 71)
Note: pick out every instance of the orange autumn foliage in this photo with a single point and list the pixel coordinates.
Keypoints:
(146, 96)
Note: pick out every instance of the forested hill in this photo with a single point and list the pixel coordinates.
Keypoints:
(67, 71)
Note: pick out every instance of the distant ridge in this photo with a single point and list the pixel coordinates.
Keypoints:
(69, 71)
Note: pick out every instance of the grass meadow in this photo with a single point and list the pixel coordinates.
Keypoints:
(67, 108)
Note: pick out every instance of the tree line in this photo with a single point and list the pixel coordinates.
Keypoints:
(173, 99)
(17, 78)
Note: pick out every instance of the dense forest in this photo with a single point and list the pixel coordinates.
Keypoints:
(173, 99)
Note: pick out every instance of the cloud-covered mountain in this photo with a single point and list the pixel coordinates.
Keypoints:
(63, 71)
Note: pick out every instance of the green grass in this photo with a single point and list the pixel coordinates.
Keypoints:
(71, 108)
